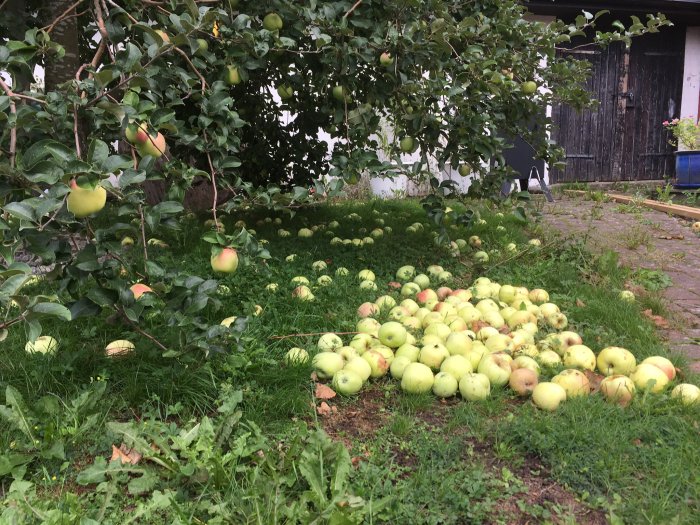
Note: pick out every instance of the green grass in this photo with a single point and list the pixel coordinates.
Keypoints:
(425, 462)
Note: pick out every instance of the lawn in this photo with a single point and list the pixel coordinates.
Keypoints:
(240, 436)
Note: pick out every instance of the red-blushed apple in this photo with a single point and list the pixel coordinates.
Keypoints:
(136, 133)
(474, 387)
(614, 360)
(649, 377)
(457, 366)
(445, 385)
(522, 381)
(464, 295)
(377, 362)
(687, 393)
(326, 364)
(496, 367)
(346, 382)
(445, 309)
(367, 310)
(560, 342)
(225, 261)
(417, 378)
(386, 352)
(85, 201)
(443, 292)
(575, 382)
(296, 356)
(579, 356)
(303, 293)
(119, 348)
(664, 364)
(548, 396)
(458, 343)
(392, 334)
(44, 344)
(426, 296)
(360, 367)
(139, 289)
(398, 365)
(385, 59)
(154, 146)
(433, 355)
(619, 389)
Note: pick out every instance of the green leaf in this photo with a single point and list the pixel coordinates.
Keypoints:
(21, 210)
(46, 148)
(53, 310)
(97, 152)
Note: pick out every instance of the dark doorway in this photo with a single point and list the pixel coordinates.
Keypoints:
(623, 137)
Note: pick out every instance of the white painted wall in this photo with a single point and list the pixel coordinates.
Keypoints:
(690, 101)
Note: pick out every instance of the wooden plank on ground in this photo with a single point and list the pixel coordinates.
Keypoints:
(674, 209)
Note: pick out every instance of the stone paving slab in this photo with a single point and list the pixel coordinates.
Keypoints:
(647, 239)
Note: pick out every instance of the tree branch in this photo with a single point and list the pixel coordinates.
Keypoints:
(143, 239)
(355, 6)
(215, 191)
(194, 68)
(13, 129)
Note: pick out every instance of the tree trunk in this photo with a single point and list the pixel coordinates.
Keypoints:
(66, 34)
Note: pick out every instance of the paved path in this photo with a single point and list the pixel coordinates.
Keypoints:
(644, 239)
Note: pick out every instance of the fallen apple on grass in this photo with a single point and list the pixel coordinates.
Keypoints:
(548, 396)
(44, 344)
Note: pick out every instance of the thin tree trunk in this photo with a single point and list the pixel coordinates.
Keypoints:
(66, 34)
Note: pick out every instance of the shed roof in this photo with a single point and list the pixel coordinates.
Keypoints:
(682, 12)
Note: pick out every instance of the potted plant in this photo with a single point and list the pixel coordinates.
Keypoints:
(686, 134)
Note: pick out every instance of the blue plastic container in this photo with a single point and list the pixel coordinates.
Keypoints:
(687, 170)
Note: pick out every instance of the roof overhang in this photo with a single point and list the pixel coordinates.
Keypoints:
(680, 12)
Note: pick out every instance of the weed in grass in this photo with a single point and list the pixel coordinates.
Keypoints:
(635, 237)
(651, 280)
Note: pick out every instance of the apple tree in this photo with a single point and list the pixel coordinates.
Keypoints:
(231, 96)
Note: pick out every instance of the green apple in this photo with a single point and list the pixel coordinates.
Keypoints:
(398, 366)
(409, 351)
(444, 385)
(417, 378)
(329, 343)
(407, 144)
(548, 396)
(324, 280)
(360, 367)
(474, 387)
(85, 201)
(340, 93)
(528, 87)
(687, 393)
(44, 344)
(326, 364)
(574, 382)
(296, 356)
(285, 91)
(649, 377)
(341, 271)
(548, 358)
(614, 360)
(433, 355)
(346, 382)
(496, 367)
(392, 334)
(305, 233)
(366, 275)
(406, 273)
(232, 76)
(579, 356)
(457, 366)
(273, 22)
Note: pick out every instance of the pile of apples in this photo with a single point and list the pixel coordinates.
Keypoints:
(474, 340)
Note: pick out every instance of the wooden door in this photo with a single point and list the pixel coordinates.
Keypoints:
(622, 138)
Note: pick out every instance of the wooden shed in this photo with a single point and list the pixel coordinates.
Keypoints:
(658, 79)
